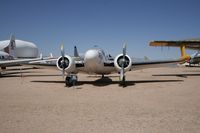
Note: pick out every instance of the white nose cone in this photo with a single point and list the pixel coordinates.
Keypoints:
(91, 55)
(92, 60)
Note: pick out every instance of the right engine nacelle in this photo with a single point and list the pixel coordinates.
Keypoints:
(68, 64)
(119, 60)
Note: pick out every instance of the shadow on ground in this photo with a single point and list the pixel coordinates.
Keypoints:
(184, 75)
(25, 74)
(107, 81)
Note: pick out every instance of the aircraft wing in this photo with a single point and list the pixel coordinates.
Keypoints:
(190, 44)
(159, 63)
(6, 63)
(138, 65)
(51, 63)
(153, 64)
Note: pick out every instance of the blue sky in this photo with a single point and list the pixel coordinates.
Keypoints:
(106, 23)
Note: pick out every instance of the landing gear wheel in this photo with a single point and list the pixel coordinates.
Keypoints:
(71, 80)
(67, 79)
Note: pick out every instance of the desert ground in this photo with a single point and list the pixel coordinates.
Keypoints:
(156, 100)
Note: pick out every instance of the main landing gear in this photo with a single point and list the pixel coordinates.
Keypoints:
(71, 80)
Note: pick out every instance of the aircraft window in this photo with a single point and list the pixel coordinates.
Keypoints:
(2, 57)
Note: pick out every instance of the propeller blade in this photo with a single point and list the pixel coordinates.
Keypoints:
(124, 60)
(124, 49)
(63, 73)
(122, 72)
(63, 60)
(62, 51)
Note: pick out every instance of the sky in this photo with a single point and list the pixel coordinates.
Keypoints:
(106, 23)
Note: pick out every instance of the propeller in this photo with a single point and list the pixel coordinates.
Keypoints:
(123, 61)
(63, 63)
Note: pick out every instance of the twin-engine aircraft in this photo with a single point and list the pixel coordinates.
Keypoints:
(95, 61)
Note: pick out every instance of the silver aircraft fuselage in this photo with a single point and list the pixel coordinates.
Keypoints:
(94, 60)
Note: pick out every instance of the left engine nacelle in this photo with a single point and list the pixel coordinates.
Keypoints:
(68, 64)
(119, 60)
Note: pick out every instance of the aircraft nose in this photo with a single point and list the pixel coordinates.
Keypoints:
(91, 55)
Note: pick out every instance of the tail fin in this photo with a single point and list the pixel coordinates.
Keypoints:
(76, 52)
(50, 55)
(10, 49)
(184, 56)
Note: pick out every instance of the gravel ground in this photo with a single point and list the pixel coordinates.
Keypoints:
(155, 100)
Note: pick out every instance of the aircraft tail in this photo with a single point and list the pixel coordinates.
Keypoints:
(10, 49)
(76, 52)
(50, 55)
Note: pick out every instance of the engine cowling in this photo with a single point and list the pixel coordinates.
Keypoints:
(119, 60)
(68, 64)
